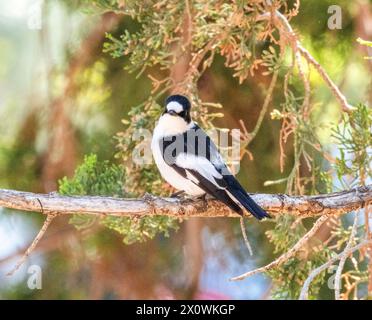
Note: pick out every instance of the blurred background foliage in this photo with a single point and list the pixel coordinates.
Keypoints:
(64, 90)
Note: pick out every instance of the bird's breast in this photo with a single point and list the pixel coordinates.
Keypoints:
(168, 173)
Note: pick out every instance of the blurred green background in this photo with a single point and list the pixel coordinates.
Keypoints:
(61, 97)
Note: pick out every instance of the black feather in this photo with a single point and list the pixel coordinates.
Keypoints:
(224, 187)
(219, 194)
(235, 188)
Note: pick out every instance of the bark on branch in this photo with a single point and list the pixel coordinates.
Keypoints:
(276, 204)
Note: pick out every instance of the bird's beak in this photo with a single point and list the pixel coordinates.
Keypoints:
(172, 112)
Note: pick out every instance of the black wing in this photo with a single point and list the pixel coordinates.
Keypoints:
(194, 156)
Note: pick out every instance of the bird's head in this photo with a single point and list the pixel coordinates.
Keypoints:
(178, 106)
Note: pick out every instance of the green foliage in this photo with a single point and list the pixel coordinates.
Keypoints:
(271, 60)
(138, 230)
(355, 140)
(94, 178)
(147, 48)
(234, 27)
(289, 277)
(153, 39)
(242, 39)
(97, 178)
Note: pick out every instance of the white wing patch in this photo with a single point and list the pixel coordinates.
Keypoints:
(201, 165)
(191, 177)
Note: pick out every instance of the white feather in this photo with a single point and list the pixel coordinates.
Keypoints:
(169, 125)
(201, 165)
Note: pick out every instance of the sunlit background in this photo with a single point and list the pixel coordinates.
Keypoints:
(39, 50)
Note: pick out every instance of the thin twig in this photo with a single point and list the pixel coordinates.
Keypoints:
(346, 107)
(344, 257)
(246, 240)
(264, 108)
(34, 243)
(305, 80)
(315, 272)
(286, 256)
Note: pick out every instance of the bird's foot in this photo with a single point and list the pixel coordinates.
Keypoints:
(201, 201)
(148, 197)
(176, 194)
(203, 197)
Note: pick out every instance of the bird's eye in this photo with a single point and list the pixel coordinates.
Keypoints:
(172, 112)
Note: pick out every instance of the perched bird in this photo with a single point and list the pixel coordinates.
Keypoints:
(189, 160)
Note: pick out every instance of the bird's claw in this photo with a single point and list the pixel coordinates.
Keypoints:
(148, 197)
(176, 194)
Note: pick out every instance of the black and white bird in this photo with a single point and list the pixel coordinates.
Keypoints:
(189, 160)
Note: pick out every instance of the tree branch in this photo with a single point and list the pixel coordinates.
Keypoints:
(287, 255)
(276, 204)
(344, 256)
(34, 243)
(346, 107)
(315, 272)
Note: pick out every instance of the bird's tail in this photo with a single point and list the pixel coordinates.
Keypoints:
(237, 191)
(250, 205)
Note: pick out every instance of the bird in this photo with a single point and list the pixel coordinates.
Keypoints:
(188, 160)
